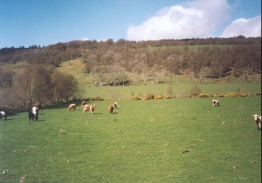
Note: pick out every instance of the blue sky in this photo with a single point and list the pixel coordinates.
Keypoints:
(45, 22)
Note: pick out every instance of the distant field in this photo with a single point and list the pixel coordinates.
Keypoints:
(180, 85)
(126, 92)
(168, 140)
(194, 47)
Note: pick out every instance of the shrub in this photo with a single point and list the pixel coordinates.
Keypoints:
(236, 94)
(149, 96)
(136, 98)
(96, 99)
(242, 95)
(158, 97)
(257, 94)
(202, 95)
(230, 95)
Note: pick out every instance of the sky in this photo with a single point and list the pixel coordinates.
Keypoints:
(46, 22)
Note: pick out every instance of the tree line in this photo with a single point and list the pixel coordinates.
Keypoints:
(223, 56)
(36, 85)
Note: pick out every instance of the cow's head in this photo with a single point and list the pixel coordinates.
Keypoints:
(256, 117)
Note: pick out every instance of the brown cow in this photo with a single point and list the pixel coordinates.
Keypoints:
(90, 108)
(111, 108)
(71, 106)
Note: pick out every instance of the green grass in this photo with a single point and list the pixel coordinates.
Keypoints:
(142, 141)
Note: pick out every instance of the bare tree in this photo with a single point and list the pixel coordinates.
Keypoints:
(6, 78)
(25, 82)
(64, 86)
(244, 76)
(144, 70)
(167, 76)
(117, 74)
(156, 72)
(191, 76)
(134, 64)
(100, 73)
(204, 73)
(42, 85)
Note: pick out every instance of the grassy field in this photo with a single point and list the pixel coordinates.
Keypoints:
(142, 141)
(126, 92)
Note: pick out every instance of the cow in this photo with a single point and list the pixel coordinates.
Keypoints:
(215, 102)
(111, 108)
(71, 106)
(90, 108)
(3, 115)
(257, 119)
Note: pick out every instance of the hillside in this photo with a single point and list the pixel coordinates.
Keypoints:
(223, 56)
(70, 71)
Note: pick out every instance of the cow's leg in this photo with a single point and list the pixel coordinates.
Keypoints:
(259, 126)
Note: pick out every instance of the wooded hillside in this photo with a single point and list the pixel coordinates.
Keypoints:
(122, 62)
(222, 55)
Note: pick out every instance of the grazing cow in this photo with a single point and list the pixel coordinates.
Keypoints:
(3, 115)
(90, 108)
(31, 116)
(111, 108)
(257, 119)
(83, 103)
(34, 111)
(115, 105)
(71, 106)
(215, 102)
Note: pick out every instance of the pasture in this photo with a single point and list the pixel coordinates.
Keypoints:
(180, 90)
(168, 140)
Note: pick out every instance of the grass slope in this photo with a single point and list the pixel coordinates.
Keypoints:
(142, 141)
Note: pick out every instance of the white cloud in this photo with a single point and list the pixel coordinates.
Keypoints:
(197, 19)
(247, 27)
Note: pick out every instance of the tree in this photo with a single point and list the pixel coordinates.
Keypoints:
(90, 62)
(99, 72)
(204, 73)
(117, 74)
(6, 78)
(25, 82)
(64, 86)
(191, 76)
(167, 76)
(244, 76)
(156, 72)
(70, 87)
(42, 85)
(134, 64)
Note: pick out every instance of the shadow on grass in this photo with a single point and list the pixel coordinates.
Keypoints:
(8, 119)
(114, 113)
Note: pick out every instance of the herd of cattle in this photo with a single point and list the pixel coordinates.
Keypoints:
(92, 107)
(33, 114)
